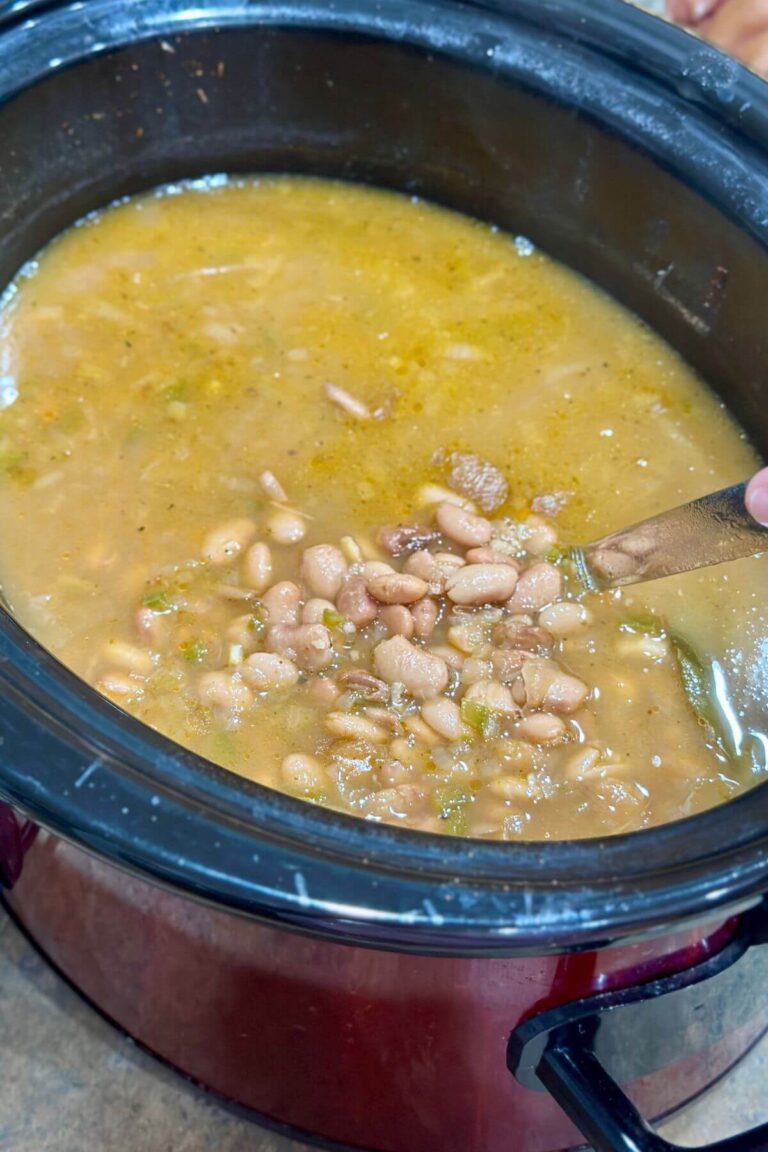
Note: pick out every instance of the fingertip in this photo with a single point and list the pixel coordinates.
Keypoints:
(756, 498)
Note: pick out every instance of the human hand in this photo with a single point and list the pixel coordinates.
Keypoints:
(757, 497)
(737, 26)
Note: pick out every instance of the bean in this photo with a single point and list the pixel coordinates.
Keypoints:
(547, 686)
(282, 602)
(272, 488)
(324, 691)
(397, 620)
(352, 727)
(478, 584)
(355, 603)
(130, 658)
(397, 588)
(475, 670)
(386, 718)
(491, 556)
(286, 527)
(224, 692)
(224, 544)
(444, 716)
(521, 633)
(424, 614)
(422, 731)
(538, 535)
(542, 728)
(393, 772)
(257, 567)
(492, 695)
(406, 538)
(314, 611)
(448, 561)
(152, 627)
(309, 645)
(373, 568)
(510, 787)
(351, 550)
(266, 671)
(117, 683)
(398, 661)
(301, 773)
(537, 586)
(365, 684)
(506, 664)
(584, 763)
(470, 636)
(421, 564)
(451, 656)
(463, 527)
(400, 802)
(565, 619)
(323, 569)
(430, 494)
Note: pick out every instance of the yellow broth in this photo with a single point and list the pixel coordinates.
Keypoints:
(160, 356)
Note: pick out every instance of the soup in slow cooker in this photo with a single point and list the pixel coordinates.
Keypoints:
(290, 469)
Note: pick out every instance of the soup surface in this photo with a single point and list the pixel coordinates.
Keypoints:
(288, 469)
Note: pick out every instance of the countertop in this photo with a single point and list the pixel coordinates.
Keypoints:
(70, 1082)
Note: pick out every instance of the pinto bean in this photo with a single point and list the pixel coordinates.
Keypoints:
(397, 588)
(491, 556)
(272, 488)
(422, 731)
(520, 632)
(349, 726)
(129, 658)
(309, 645)
(477, 584)
(286, 527)
(224, 692)
(542, 728)
(324, 691)
(406, 538)
(424, 614)
(323, 569)
(355, 602)
(538, 535)
(266, 672)
(304, 774)
(152, 627)
(224, 544)
(314, 611)
(282, 602)
(463, 527)
(583, 763)
(506, 663)
(444, 716)
(475, 670)
(452, 657)
(256, 568)
(118, 683)
(565, 619)
(365, 684)
(492, 695)
(397, 620)
(421, 564)
(546, 685)
(398, 661)
(400, 802)
(537, 586)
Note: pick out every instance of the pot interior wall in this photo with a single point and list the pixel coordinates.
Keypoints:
(454, 130)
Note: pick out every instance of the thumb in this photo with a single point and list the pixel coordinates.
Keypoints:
(690, 11)
(756, 498)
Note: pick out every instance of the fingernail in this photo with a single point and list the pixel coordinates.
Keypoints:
(757, 504)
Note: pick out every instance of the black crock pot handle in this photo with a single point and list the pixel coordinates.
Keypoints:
(582, 1052)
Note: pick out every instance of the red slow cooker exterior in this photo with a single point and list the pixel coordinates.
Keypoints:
(367, 1048)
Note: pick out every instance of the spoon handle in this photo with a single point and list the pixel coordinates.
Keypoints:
(710, 530)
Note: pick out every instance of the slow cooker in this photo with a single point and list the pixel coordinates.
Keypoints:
(350, 982)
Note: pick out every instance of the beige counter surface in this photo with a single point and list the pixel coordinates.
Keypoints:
(70, 1082)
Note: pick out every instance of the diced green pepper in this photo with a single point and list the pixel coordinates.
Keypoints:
(193, 651)
(158, 600)
(451, 804)
(332, 618)
(479, 717)
(644, 625)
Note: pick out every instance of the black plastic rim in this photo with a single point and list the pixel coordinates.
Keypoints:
(92, 774)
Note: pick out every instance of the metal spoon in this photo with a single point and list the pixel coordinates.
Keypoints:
(707, 531)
